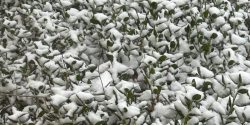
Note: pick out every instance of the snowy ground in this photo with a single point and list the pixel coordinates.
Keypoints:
(136, 62)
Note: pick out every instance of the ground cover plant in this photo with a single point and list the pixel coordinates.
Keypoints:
(131, 62)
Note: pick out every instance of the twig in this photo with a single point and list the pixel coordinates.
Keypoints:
(32, 96)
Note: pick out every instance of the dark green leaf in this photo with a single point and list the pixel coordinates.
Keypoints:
(237, 8)
(188, 29)
(193, 23)
(155, 91)
(125, 109)
(172, 44)
(231, 62)
(78, 77)
(110, 57)
(240, 78)
(205, 14)
(67, 15)
(234, 48)
(89, 82)
(152, 71)
(109, 43)
(126, 19)
(223, 80)
(199, 70)
(162, 58)
(92, 68)
(206, 47)
(94, 21)
(243, 91)
(214, 35)
(194, 83)
(146, 80)
(191, 47)
(171, 12)
(175, 66)
(153, 5)
(196, 97)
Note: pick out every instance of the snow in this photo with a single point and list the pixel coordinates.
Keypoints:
(18, 115)
(123, 85)
(98, 84)
(198, 81)
(82, 96)
(57, 100)
(94, 118)
(48, 7)
(100, 17)
(116, 33)
(242, 100)
(128, 111)
(217, 107)
(35, 84)
(205, 72)
(244, 76)
(65, 3)
(100, 2)
(180, 107)
(238, 40)
(114, 72)
(180, 2)
(192, 121)
(214, 10)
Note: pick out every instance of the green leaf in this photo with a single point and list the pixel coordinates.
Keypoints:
(231, 62)
(152, 71)
(223, 80)
(214, 35)
(153, 5)
(172, 44)
(234, 48)
(125, 109)
(94, 20)
(240, 78)
(171, 12)
(199, 70)
(92, 68)
(162, 58)
(126, 19)
(205, 14)
(186, 119)
(242, 91)
(89, 82)
(196, 97)
(206, 47)
(237, 8)
(175, 66)
(213, 16)
(109, 43)
(188, 103)
(194, 83)
(146, 80)
(188, 29)
(191, 47)
(78, 77)
(193, 23)
(155, 91)
(159, 88)
(41, 113)
(67, 15)
(229, 102)
(110, 57)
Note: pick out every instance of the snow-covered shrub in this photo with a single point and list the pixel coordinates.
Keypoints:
(124, 62)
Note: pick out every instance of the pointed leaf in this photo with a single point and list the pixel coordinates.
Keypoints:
(196, 97)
